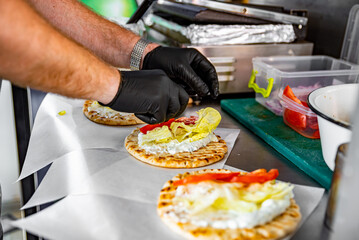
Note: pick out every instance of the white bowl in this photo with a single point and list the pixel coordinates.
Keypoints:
(334, 106)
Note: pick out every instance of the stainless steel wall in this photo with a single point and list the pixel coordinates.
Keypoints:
(327, 21)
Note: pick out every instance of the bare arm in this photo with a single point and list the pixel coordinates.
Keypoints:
(34, 54)
(105, 39)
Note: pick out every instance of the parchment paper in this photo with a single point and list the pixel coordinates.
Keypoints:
(53, 135)
(56, 137)
(110, 172)
(94, 216)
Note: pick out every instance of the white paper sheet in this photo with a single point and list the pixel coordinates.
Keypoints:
(114, 173)
(53, 135)
(97, 217)
(105, 217)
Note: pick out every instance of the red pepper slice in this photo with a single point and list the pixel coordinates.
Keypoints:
(150, 127)
(304, 104)
(187, 121)
(295, 119)
(316, 134)
(205, 177)
(288, 92)
(258, 176)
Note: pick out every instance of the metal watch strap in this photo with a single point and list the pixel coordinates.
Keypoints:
(136, 54)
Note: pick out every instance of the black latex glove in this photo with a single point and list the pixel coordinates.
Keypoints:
(151, 95)
(185, 66)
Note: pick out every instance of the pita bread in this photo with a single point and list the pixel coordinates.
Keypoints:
(211, 153)
(113, 119)
(278, 228)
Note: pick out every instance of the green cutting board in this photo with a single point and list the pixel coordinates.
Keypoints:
(305, 153)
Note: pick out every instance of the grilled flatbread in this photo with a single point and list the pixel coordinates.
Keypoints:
(109, 117)
(211, 153)
(278, 228)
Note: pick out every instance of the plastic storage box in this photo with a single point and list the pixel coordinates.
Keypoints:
(302, 73)
(305, 73)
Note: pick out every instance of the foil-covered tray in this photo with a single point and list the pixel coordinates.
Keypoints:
(213, 34)
(239, 34)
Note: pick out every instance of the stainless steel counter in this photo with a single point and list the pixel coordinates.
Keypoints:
(251, 152)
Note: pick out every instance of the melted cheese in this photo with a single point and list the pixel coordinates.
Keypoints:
(175, 146)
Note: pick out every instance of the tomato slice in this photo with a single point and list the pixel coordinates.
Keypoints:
(150, 127)
(288, 92)
(257, 176)
(295, 119)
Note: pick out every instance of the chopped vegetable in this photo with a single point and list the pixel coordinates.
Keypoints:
(304, 104)
(304, 124)
(208, 120)
(258, 176)
(288, 92)
(150, 127)
(253, 177)
(294, 118)
(297, 119)
(205, 177)
(192, 128)
(159, 135)
(188, 121)
(316, 134)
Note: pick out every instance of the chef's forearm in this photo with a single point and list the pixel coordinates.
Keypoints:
(105, 39)
(34, 54)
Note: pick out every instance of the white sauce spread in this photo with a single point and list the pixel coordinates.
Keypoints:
(222, 219)
(175, 146)
(106, 111)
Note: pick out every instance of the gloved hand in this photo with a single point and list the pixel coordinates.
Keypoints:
(151, 95)
(185, 66)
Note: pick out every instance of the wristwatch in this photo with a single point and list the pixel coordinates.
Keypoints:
(136, 54)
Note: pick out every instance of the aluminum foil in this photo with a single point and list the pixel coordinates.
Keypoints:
(239, 34)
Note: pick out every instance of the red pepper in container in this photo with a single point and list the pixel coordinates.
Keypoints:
(288, 92)
(298, 116)
(296, 119)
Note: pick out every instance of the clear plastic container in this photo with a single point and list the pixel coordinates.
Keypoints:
(299, 117)
(272, 74)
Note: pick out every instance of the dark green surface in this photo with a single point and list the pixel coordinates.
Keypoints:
(305, 153)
